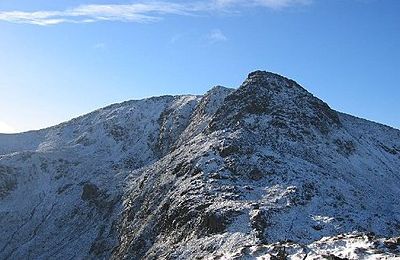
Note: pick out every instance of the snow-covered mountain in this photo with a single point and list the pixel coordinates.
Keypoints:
(267, 170)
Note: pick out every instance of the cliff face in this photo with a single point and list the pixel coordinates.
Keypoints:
(267, 169)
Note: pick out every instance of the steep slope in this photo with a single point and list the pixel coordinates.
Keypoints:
(275, 164)
(267, 170)
(61, 193)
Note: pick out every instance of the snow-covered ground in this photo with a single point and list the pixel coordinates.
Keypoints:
(264, 171)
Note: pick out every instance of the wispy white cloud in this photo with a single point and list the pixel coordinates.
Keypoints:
(274, 4)
(216, 36)
(138, 12)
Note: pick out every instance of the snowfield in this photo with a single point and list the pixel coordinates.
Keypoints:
(266, 171)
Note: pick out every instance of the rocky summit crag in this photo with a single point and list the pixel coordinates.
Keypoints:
(266, 170)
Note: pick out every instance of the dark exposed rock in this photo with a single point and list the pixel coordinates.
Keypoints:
(259, 222)
(64, 188)
(255, 174)
(302, 195)
(392, 244)
(345, 147)
(8, 180)
(226, 150)
(317, 227)
(279, 253)
(325, 111)
(390, 150)
(90, 192)
(116, 131)
(213, 222)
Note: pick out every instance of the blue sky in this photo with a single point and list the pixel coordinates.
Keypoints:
(61, 59)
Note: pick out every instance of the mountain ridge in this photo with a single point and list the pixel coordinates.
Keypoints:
(234, 173)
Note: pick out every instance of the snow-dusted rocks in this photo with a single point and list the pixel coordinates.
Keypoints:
(267, 170)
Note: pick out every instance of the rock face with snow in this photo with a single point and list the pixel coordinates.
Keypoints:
(267, 170)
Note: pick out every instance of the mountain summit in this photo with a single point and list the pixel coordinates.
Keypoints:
(265, 170)
(283, 101)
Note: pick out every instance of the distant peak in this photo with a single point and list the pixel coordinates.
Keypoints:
(282, 99)
(218, 88)
(266, 77)
(262, 73)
